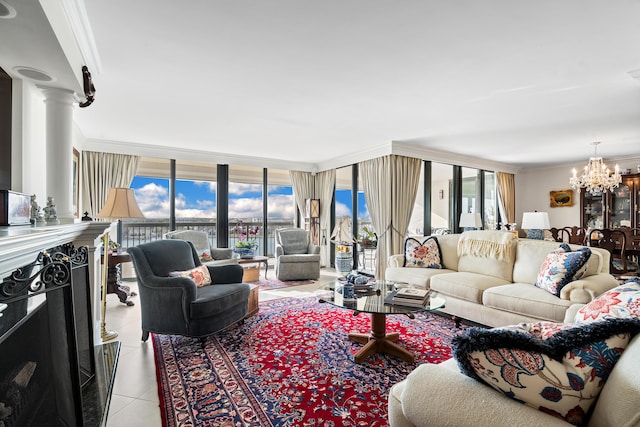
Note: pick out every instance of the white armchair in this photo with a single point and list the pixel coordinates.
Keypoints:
(296, 257)
(208, 255)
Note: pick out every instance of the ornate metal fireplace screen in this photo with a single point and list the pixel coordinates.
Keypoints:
(44, 344)
(52, 270)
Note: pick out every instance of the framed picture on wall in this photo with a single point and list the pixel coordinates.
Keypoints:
(558, 199)
(76, 181)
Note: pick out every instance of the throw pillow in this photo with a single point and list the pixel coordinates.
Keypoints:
(204, 254)
(621, 301)
(559, 369)
(422, 254)
(561, 267)
(200, 275)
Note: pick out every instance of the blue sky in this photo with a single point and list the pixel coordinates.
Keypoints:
(197, 199)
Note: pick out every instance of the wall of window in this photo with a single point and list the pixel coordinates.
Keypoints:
(441, 197)
(281, 207)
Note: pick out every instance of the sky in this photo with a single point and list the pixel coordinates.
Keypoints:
(197, 199)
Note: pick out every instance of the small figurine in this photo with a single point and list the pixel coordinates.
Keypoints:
(36, 216)
(50, 212)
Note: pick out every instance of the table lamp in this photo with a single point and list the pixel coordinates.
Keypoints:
(470, 221)
(535, 223)
(120, 204)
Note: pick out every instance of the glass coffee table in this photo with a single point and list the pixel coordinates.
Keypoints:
(372, 301)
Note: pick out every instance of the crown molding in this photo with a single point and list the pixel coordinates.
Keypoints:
(145, 150)
(399, 148)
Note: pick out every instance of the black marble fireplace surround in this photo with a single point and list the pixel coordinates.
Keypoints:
(51, 373)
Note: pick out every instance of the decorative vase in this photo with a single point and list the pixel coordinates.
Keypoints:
(245, 251)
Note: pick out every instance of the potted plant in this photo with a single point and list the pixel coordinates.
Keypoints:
(367, 238)
(246, 244)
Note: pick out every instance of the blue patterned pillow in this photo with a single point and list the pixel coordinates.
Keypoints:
(425, 254)
(561, 267)
(559, 369)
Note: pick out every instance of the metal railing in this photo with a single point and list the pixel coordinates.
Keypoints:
(138, 232)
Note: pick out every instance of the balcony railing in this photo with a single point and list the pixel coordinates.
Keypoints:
(136, 232)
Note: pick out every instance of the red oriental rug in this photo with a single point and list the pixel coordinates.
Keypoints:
(290, 365)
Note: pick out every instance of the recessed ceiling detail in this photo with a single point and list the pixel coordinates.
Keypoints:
(33, 74)
(6, 10)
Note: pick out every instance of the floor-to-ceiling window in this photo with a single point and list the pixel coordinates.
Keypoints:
(246, 218)
(441, 188)
(470, 191)
(490, 217)
(281, 208)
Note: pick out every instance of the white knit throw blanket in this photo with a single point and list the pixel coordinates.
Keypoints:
(486, 243)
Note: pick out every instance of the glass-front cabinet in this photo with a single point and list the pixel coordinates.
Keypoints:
(615, 209)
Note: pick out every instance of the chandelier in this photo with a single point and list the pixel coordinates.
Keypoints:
(596, 178)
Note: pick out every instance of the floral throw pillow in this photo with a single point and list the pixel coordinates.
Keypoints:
(204, 254)
(425, 254)
(621, 301)
(200, 275)
(558, 369)
(561, 267)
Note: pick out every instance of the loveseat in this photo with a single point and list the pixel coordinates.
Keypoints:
(489, 277)
(441, 394)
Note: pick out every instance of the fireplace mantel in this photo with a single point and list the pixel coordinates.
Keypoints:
(19, 245)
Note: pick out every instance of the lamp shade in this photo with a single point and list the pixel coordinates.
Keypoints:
(120, 204)
(535, 221)
(470, 220)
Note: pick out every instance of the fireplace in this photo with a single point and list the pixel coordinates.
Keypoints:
(51, 373)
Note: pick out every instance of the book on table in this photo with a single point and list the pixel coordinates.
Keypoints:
(412, 293)
(395, 298)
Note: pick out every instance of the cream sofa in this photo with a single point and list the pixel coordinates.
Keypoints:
(499, 292)
(435, 395)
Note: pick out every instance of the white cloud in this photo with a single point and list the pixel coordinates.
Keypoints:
(238, 188)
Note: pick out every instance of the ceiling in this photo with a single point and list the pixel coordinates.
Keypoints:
(522, 82)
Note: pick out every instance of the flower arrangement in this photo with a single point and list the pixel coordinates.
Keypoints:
(246, 235)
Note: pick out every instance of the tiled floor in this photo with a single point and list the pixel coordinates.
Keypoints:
(135, 394)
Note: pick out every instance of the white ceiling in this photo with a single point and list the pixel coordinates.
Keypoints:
(515, 81)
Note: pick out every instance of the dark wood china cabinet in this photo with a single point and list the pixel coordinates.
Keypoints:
(613, 209)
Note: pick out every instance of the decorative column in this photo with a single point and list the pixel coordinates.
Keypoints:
(59, 138)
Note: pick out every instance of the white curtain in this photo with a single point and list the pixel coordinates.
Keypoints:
(324, 190)
(506, 196)
(102, 171)
(390, 184)
(303, 185)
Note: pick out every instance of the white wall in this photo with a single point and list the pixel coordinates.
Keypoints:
(533, 187)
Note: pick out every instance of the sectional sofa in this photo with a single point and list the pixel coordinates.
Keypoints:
(492, 282)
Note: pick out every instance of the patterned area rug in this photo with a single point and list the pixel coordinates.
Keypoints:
(267, 284)
(290, 365)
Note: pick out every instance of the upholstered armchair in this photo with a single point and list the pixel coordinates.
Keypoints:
(207, 254)
(172, 304)
(296, 257)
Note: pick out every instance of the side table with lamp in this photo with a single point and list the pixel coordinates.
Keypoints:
(120, 204)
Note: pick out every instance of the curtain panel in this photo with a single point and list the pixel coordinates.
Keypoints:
(102, 171)
(316, 186)
(507, 196)
(325, 183)
(390, 185)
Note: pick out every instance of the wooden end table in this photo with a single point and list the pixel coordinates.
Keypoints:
(256, 260)
(114, 282)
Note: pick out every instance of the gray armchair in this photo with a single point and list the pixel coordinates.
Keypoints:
(200, 240)
(296, 257)
(174, 305)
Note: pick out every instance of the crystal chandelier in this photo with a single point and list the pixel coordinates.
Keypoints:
(596, 177)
